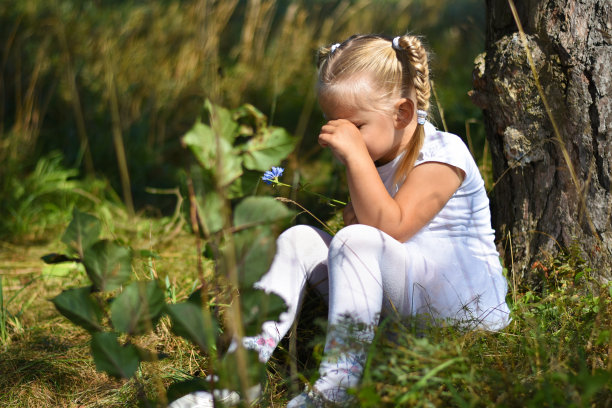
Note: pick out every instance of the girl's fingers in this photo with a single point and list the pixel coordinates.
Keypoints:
(323, 139)
(328, 129)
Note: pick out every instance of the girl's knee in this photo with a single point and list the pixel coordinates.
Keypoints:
(301, 234)
(303, 240)
(357, 235)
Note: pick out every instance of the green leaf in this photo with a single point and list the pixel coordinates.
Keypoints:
(54, 258)
(244, 185)
(255, 370)
(80, 308)
(250, 112)
(271, 146)
(137, 309)
(259, 307)
(82, 232)
(209, 203)
(222, 121)
(200, 140)
(196, 298)
(107, 264)
(215, 154)
(255, 245)
(210, 208)
(254, 249)
(260, 210)
(145, 253)
(112, 358)
(194, 323)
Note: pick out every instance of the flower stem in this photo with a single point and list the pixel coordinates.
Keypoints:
(330, 200)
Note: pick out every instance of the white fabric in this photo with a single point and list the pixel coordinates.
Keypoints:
(449, 270)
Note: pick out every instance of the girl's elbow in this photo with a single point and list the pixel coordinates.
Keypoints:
(399, 231)
(403, 236)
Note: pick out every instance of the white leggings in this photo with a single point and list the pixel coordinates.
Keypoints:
(364, 273)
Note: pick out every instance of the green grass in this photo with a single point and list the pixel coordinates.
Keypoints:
(556, 351)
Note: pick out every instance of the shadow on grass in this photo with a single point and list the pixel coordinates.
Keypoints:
(50, 371)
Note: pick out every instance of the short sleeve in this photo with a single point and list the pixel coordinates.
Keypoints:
(445, 148)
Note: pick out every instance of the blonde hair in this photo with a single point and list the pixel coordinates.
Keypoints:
(392, 71)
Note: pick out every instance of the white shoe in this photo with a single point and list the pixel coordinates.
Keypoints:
(223, 398)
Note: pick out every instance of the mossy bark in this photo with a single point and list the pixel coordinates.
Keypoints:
(538, 206)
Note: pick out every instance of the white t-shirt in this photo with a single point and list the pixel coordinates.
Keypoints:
(466, 214)
(452, 263)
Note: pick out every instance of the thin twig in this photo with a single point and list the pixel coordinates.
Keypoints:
(439, 105)
(288, 200)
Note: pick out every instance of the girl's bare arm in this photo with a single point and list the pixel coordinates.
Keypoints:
(426, 190)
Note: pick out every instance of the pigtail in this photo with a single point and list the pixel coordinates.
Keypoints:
(323, 55)
(413, 55)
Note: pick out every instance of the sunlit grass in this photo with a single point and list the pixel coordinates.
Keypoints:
(556, 351)
(165, 57)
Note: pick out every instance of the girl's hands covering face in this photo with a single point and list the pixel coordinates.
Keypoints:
(344, 139)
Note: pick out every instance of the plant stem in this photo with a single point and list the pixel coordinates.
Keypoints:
(331, 200)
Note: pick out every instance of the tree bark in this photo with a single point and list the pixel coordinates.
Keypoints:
(539, 207)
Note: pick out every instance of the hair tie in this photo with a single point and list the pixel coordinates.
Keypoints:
(334, 47)
(421, 116)
(396, 44)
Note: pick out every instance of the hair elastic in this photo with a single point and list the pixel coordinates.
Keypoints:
(334, 47)
(395, 43)
(421, 116)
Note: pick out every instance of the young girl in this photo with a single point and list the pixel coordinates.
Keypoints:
(418, 238)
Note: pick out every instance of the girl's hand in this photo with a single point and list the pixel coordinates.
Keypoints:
(349, 216)
(344, 139)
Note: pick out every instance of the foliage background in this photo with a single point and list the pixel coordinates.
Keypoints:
(90, 79)
(95, 97)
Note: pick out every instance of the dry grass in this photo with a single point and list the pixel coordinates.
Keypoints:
(48, 358)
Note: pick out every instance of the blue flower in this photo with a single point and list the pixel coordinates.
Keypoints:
(271, 176)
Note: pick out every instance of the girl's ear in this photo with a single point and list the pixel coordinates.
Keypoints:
(403, 113)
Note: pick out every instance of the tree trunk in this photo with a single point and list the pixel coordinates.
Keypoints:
(552, 191)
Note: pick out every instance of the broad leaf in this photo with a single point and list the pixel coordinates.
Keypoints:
(254, 246)
(80, 308)
(248, 112)
(137, 309)
(111, 357)
(107, 264)
(268, 148)
(210, 209)
(255, 370)
(216, 154)
(82, 232)
(259, 307)
(260, 210)
(54, 258)
(209, 203)
(194, 323)
(201, 140)
(254, 249)
(222, 121)
(245, 185)
(196, 298)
